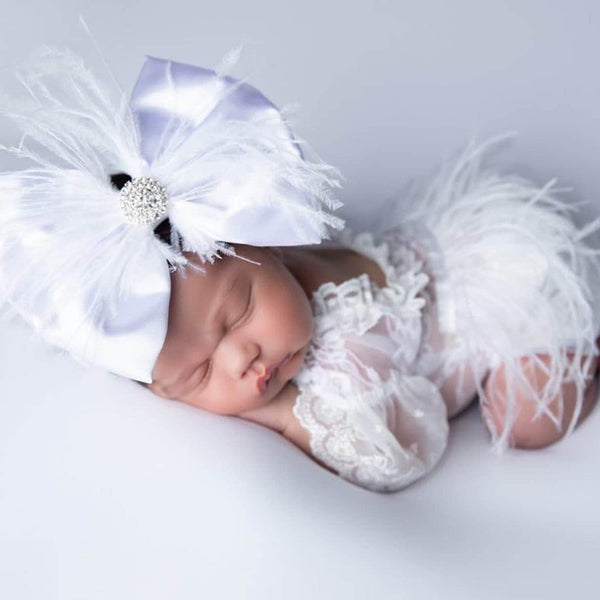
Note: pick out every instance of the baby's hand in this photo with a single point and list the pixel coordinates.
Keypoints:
(279, 416)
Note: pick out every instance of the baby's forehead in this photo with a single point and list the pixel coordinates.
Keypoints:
(201, 280)
(205, 281)
(201, 301)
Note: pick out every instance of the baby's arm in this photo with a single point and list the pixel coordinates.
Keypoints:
(383, 447)
(279, 416)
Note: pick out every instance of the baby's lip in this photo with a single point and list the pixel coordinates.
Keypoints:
(262, 380)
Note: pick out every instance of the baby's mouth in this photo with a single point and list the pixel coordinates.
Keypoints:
(263, 381)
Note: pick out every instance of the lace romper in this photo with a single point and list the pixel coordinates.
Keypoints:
(368, 393)
(482, 270)
(388, 365)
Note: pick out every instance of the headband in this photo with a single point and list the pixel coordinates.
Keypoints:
(79, 257)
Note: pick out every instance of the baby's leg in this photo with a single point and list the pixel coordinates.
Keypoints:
(455, 372)
(528, 433)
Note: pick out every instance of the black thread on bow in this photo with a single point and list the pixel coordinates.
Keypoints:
(120, 179)
(163, 230)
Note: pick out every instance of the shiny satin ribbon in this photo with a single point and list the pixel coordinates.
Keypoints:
(262, 200)
(169, 95)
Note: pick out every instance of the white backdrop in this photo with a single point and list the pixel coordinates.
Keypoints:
(109, 492)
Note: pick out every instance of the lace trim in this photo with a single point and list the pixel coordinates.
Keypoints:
(403, 270)
(407, 291)
(358, 304)
(415, 249)
(354, 439)
(337, 390)
(347, 306)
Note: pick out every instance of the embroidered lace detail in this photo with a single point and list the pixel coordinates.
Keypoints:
(358, 303)
(370, 417)
(383, 441)
(348, 305)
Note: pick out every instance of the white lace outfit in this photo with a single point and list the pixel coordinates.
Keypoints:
(372, 416)
(388, 365)
(483, 271)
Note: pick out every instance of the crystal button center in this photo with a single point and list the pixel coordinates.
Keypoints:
(143, 200)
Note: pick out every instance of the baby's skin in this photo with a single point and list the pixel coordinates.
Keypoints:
(238, 334)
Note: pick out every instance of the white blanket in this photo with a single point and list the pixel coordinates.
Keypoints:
(110, 492)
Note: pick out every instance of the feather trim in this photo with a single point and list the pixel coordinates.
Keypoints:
(66, 247)
(512, 280)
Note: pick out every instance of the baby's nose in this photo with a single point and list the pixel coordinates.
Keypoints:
(259, 368)
(241, 358)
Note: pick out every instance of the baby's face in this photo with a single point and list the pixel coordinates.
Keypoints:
(227, 327)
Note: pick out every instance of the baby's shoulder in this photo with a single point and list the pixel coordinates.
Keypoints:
(334, 264)
(343, 263)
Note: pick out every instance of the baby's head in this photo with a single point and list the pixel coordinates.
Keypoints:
(228, 327)
(201, 152)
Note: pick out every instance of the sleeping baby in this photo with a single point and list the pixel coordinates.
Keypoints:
(341, 350)
(185, 240)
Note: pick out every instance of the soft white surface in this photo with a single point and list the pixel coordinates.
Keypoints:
(109, 492)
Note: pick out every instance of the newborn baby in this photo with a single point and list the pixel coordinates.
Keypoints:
(338, 348)
(357, 349)
(240, 353)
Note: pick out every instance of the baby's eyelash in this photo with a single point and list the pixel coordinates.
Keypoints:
(206, 372)
(209, 361)
(246, 309)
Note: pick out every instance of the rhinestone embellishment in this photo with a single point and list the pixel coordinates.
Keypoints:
(143, 200)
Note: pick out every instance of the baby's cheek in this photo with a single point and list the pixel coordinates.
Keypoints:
(222, 399)
(293, 366)
(287, 310)
(297, 317)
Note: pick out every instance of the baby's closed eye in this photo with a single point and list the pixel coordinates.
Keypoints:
(245, 304)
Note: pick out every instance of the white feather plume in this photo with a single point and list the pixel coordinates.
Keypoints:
(63, 233)
(513, 280)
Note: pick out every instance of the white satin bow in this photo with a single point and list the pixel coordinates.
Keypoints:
(86, 278)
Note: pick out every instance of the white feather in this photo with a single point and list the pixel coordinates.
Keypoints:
(512, 279)
(63, 235)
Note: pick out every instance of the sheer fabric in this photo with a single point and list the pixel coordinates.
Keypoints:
(372, 414)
